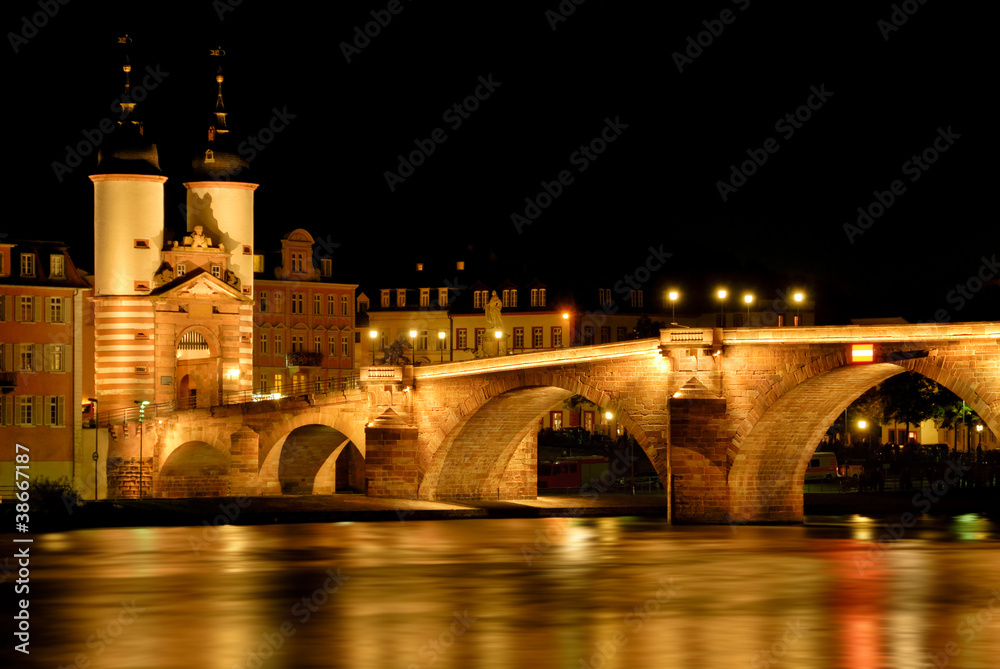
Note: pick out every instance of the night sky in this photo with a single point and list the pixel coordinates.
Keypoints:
(681, 116)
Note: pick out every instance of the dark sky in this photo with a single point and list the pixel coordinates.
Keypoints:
(677, 134)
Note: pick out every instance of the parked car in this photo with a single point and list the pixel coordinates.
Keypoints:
(822, 467)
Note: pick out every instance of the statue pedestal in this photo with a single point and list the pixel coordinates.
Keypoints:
(493, 345)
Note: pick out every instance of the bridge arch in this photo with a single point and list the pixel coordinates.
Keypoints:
(312, 452)
(193, 469)
(773, 447)
(470, 453)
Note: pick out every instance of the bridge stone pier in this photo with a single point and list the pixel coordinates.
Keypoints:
(728, 417)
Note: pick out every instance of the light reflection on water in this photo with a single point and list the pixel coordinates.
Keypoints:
(601, 593)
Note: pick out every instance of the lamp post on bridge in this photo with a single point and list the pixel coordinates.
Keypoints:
(142, 415)
(95, 456)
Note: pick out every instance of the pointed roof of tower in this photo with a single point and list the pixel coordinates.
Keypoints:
(218, 161)
(126, 149)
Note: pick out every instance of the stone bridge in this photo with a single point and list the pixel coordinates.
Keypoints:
(728, 417)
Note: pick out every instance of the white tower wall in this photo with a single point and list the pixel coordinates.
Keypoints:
(225, 210)
(127, 207)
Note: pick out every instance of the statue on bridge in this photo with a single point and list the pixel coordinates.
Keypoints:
(493, 312)
(393, 353)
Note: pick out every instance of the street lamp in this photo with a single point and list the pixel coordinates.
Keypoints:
(673, 295)
(441, 336)
(722, 306)
(798, 297)
(95, 456)
(413, 345)
(497, 334)
(142, 415)
(748, 299)
(979, 438)
(373, 334)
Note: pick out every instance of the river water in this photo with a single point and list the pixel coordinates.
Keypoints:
(539, 593)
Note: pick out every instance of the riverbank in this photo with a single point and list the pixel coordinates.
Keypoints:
(358, 508)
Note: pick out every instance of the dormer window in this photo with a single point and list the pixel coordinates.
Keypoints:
(181, 269)
(327, 266)
(28, 264)
(400, 297)
(209, 156)
(296, 262)
(217, 271)
(57, 268)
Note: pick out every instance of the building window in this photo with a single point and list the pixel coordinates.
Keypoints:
(217, 271)
(279, 302)
(258, 263)
(55, 310)
(557, 337)
(480, 298)
(262, 301)
(460, 339)
(28, 264)
(331, 347)
(555, 418)
(318, 343)
(605, 334)
(55, 358)
(604, 297)
(298, 341)
(510, 298)
(588, 335)
(57, 267)
(518, 337)
(317, 305)
(345, 346)
(588, 421)
(54, 411)
(26, 358)
(385, 297)
(296, 262)
(331, 305)
(621, 334)
(297, 303)
(442, 297)
(636, 298)
(181, 269)
(26, 312)
(425, 297)
(25, 413)
(480, 334)
(327, 266)
(345, 305)
(536, 337)
(262, 343)
(422, 340)
(400, 297)
(279, 344)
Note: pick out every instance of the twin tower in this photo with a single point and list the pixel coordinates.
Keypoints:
(173, 318)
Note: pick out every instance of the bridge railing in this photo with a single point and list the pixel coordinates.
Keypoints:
(153, 411)
(290, 390)
(131, 414)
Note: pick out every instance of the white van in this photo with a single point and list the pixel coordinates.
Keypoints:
(822, 467)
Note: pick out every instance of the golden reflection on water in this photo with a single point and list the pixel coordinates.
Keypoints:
(556, 592)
